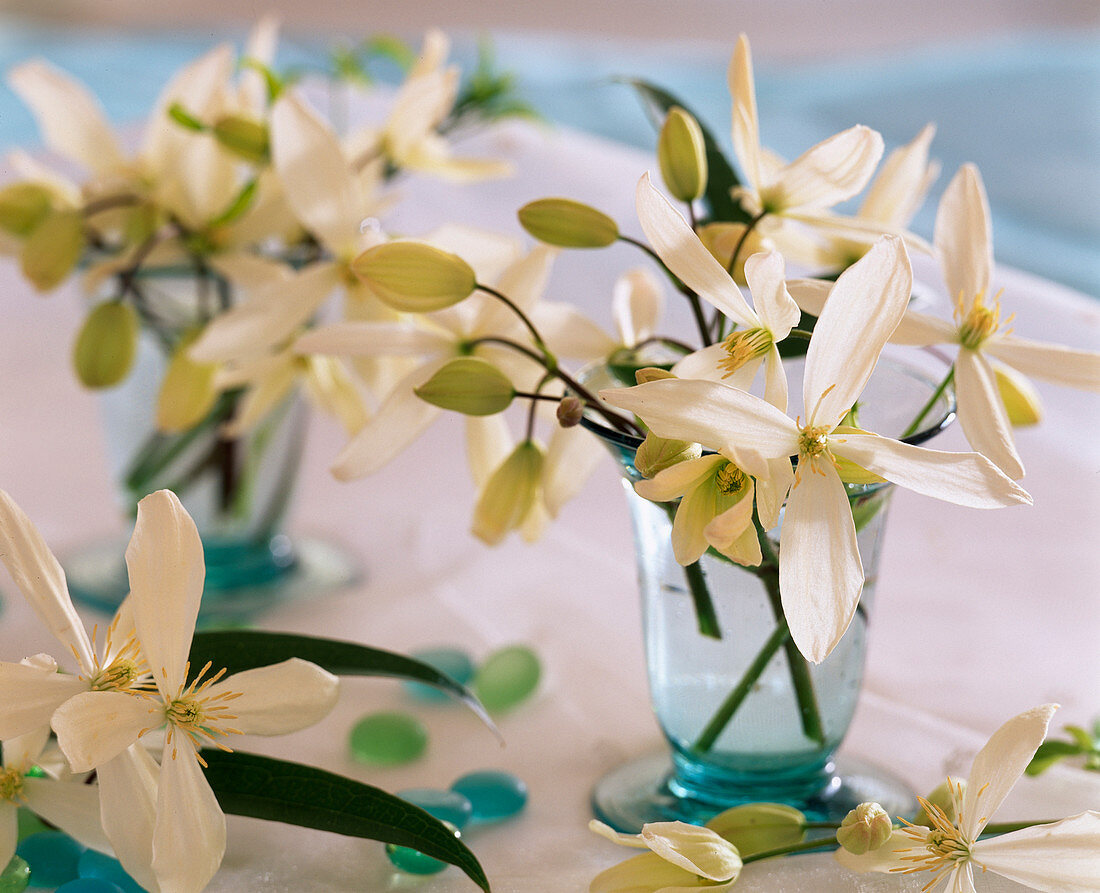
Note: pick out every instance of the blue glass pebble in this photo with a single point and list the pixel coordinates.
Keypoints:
(53, 857)
(493, 795)
(15, 877)
(412, 861)
(100, 866)
(89, 885)
(455, 662)
(447, 806)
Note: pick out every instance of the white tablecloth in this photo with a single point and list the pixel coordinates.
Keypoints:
(979, 614)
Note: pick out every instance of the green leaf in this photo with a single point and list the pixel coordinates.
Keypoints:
(184, 118)
(239, 650)
(394, 49)
(1081, 736)
(722, 179)
(1049, 753)
(263, 788)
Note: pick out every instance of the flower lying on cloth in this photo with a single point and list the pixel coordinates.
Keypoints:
(680, 857)
(1062, 856)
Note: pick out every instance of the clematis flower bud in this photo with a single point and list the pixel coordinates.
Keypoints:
(849, 472)
(243, 137)
(658, 453)
(758, 827)
(414, 276)
(187, 392)
(22, 207)
(509, 494)
(568, 224)
(570, 411)
(1021, 400)
(865, 828)
(682, 154)
(105, 347)
(52, 249)
(652, 373)
(468, 385)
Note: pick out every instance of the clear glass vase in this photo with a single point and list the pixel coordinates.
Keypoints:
(746, 718)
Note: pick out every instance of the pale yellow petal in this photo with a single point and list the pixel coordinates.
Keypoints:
(765, 273)
(571, 457)
(695, 849)
(746, 129)
(832, 171)
(1051, 362)
(897, 192)
(637, 302)
(982, 413)
(963, 237)
(1059, 858)
(678, 479)
(29, 695)
(71, 806)
(128, 805)
(96, 726)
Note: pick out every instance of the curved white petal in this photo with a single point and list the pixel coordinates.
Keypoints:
(999, 765)
(921, 330)
(695, 511)
(128, 810)
(167, 572)
(649, 873)
(703, 364)
(746, 128)
(22, 751)
(772, 490)
(30, 695)
(406, 339)
(489, 253)
(695, 849)
(571, 456)
(189, 839)
(1052, 362)
(982, 413)
(676, 243)
(264, 394)
(832, 171)
(962, 478)
(569, 333)
(858, 232)
(726, 529)
(637, 302)
(280, 698)
(96, 726)
(488, 443)
(765, 275)
(331, 387)
(1063, 857)
(524, 282)
(421, 103)
(249, 271)
(676, 480)
(888, 857)
(963, 237)
(810, 294)
(39, 576)
(71, 806)
(775, 380)
(897, 192)
(863, 309)
(820, 573)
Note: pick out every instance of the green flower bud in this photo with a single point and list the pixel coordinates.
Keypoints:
(187, 392)
(658, 453)
(105, 348)
(468, 385)
(758, 827)
(23, 206)
(570, 411)
(568, 224)
(849, 472)
(865, 828)
(652, 373)
(414, 276)
(243, 137)
(1021, 400)
(52, 249)
(509, 495)
(943, 798)
(682, 154)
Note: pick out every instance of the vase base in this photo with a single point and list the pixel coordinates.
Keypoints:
(638, 792)
(234, 594)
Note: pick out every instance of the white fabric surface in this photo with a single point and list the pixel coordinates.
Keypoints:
(979, 614)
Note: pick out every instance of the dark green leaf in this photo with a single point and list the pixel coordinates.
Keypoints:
(278, 791)
(238, 650)
(1049, 753)
(184, 118)
(721, 178)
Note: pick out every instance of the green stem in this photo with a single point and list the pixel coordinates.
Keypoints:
(733, 700)
(705, 614)
(551, 361)
(927, 408)
(804, 847)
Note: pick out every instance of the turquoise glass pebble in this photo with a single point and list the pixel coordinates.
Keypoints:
(89, 885)
(388, 739)
(493, 795)
(455, 662)
(447, 806)
(53, 857)
(507, 678)
(100, 866)
(413, 861)
(16, 876)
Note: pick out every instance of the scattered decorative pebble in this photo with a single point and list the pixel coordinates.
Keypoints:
(447, 806)
(52, 856)
(16, 876)
(507, 678)
(30, 824)
(413, 861)
(100, 866)
(493, 795)
(455, 662)
(90, 885)
(388, 739)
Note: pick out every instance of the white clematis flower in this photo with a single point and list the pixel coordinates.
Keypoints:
(680, 857)
(821, 576)
(181, 840)
(1061, 856)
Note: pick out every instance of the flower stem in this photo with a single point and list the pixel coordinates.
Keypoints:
(536, 337)
(804, 847)
(705, 614)
(927, 408)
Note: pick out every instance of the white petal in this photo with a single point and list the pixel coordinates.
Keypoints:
(634, 841)
(775, 380)
(30, 695)
(771, 491)
(374, 339)
(524, 281)
(96, 726)
(569, 333)
(488, 443)
(421, 103)
(863, 309)
(962, 478)
(820, 574)
(982, 413)
(832, 171)
(1060, 858)
(71, 806)
(1052, 362)
(280, 698)
(693, 514)
(964, 238)
(888, 857)
(331, 387)
(676, 480)
(22, 751)
(697, 850)
(746, 129)
(676, 243)
(649, 873)
(897, 192)
(488, 252)
(810, 294)
(921, 330)
(728, 527)
(128, 809)
(637, 302)
(999, 765)
(264, 395)
(703, 364)
(167, 571)
(39, 576)
(249, 271)
(189, 840)
(765, 274)
(571, 456)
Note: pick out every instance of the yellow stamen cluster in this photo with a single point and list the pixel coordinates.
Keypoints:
(813, 441)
(744, 346)
(127, 670)
(201, 717)
(980, 321)
(730, 479)
(11, 785)
(939, 849)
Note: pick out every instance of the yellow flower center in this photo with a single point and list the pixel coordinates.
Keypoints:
(11, 785)
(938, 849)
(813, 441)
(744, 346)
(200, 716)
(980, 321)
(730, 479)
(126, 671)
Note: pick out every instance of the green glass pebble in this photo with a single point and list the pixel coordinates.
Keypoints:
(30, 824)
(507, 678)
(100, 866)
(89, 885)
(493, 795)
(413, 861)
(455, 662)
(53, 857)
(447, 806)
(16, 876)
(388, 739)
